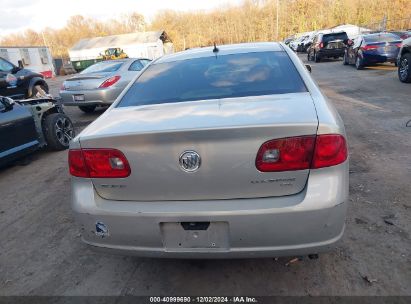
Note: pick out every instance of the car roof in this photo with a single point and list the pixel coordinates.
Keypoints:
(378, 34)
(227, 49)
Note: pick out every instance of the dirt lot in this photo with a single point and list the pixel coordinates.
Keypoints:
(41, 252)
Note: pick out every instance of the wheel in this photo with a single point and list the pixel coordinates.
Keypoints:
(404, 68)
(58, 131)
(87, 109)
(359, 63)
(39, 91)
(345, 59)
(316, 57)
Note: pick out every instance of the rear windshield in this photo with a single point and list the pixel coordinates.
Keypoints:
(236, 75)
(381, 38)
(102, 67)
(331, 37)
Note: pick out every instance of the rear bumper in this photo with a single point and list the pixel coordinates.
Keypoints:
(91, 97)
(311, 221)
(324, 53)
(380, 58)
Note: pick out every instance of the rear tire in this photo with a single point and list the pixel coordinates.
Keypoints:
(39, 91)
(404, 68)
(87, 109)
(58, 131)
(359, 63)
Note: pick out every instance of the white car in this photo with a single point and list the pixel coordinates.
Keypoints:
(222, 152)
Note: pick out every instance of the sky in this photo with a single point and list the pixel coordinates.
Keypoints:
(19, 15)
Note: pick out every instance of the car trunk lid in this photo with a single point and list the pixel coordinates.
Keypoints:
(86, 81)
(226, 134)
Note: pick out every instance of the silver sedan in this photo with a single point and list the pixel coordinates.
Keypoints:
(101, 83)
(214, 153)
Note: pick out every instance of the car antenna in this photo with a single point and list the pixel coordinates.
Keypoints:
(215, 49)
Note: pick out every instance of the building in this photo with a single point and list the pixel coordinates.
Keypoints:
(35, 58)
(149, 45)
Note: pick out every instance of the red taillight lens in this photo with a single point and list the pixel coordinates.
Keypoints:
(398, 44)
(369, 47)
(76, 164)
(109, 82)
(330, 150)
(321, 45)
(285, 154)
(98, 163)
(300, 153)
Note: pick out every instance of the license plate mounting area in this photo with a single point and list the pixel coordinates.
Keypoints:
(195, 236)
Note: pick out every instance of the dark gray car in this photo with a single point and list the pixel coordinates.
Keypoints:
(101, 83)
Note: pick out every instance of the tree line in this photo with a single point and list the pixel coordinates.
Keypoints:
(252, 20)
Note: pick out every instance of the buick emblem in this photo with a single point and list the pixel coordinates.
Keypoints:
(190, 161)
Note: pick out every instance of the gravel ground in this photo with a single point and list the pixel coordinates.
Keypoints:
(41, 252)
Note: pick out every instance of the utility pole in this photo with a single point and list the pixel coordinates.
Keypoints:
(277, 19)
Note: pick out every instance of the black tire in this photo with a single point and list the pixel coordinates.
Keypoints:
(345, 59)
(58, 131)
(87, 109)
(39, 91)
(404, 68)
(359, 65)
(316, 57)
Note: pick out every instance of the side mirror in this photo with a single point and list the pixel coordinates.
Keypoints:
(7, 102)
(308, 67)
(21, 65)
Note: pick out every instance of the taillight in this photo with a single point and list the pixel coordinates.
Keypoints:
(321, 45)
(109, 82)
(77, 165)
(398, 44)
(330, 150)
(285, 154)
(98, 163)
(369, 47)
(302, 152)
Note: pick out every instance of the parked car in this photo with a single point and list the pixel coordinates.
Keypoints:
(371, 49)
(404, 61)
(301, 44)
(19, 83)
(101, 83)
(288, 40)
(306, 44)
(230, 151)
(296, 43)
(30, 124)
(327, 45)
